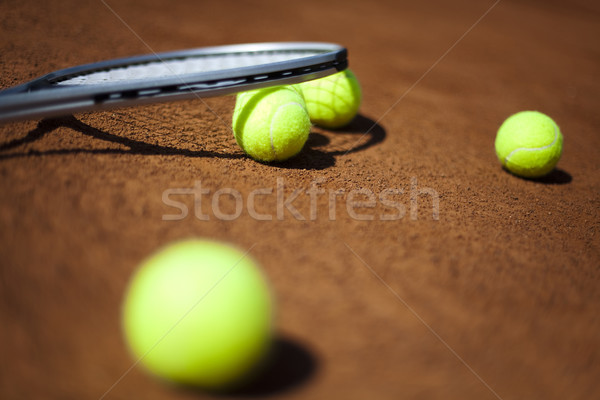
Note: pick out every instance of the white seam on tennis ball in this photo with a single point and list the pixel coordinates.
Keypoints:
(507, 158)
(291, 103)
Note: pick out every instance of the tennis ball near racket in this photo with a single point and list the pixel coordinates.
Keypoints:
(333, 101)
(271, 124)
(529, 144)
(199, 313)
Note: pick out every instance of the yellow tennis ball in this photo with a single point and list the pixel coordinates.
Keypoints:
(271, 124)
(529, 144)
(333, 101)
(198, 312)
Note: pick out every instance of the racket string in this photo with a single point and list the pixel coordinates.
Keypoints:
(178, 67)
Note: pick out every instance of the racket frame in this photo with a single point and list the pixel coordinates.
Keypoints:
(43, 97)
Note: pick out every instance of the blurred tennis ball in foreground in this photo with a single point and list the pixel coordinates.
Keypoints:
(199, 312)
(333, 101)
(529, 144)
(271, 124)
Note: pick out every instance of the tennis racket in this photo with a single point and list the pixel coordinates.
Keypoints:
(153, 78)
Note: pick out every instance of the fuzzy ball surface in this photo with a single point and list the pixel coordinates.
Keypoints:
(333, 101)
(529, 144)
(198, 312)
(271, 124)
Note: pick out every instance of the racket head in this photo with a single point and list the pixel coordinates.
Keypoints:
(177, 75)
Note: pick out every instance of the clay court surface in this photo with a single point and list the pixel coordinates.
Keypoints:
(493, 294)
